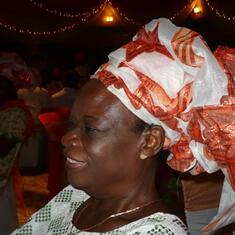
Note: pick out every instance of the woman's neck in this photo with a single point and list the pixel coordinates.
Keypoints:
(102, 215)
(119, 205)
(134, 194)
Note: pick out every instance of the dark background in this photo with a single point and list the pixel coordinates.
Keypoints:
(94, 39)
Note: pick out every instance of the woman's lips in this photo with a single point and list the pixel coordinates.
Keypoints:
(71, 163)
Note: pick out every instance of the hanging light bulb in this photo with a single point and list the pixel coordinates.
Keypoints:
(108, 19)
(109, 14)
(197, 10)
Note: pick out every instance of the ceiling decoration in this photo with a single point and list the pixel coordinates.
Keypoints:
(106, 13)
(110, 22)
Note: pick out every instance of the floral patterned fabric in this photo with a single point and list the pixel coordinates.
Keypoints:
(168, 76)
(13, 121)
(56, 219)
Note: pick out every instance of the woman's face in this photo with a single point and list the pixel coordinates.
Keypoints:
(102, 149)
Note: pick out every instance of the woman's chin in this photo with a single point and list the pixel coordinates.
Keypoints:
(75, 182)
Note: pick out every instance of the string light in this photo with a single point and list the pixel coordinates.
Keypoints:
(80, 15)
(38, 33)
(57, 30)
(92, 12)
(123, 15)
(219, 13)
(190, 6)
(85, 16)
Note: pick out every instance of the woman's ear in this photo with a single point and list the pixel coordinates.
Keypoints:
(154, 140)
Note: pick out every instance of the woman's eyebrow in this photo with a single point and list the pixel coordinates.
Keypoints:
(90, 118)
(94, 118)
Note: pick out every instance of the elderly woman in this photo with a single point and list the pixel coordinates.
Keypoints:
(162, 90)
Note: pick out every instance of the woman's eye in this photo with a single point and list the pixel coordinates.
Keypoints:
(90, 130)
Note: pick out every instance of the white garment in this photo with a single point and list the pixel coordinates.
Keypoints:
(56, 218)
(35, 98)
(64, 97)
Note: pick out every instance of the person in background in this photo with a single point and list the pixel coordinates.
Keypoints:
(27, 82)
(162, 90)
(53, 80)
(34, 153)
(55, 120)
(35, 97)
(82, 66)
(15, 127)
(66, 96)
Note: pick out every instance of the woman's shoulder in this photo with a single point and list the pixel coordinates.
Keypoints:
(70, 194)
(56, 215)
(157, 223)
(66, 201)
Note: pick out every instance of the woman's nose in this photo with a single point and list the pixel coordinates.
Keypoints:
(70, 138)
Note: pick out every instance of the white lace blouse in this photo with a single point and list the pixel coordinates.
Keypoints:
(56, 219)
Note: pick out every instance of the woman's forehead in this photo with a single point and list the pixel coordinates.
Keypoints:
(94, 94)
(95, 100)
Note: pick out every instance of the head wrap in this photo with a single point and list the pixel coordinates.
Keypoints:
(168, 76)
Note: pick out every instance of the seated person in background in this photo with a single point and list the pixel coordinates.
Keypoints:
(36, 98)
(147, 97)
(15, 126)
(66, 96)
(56, 120)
